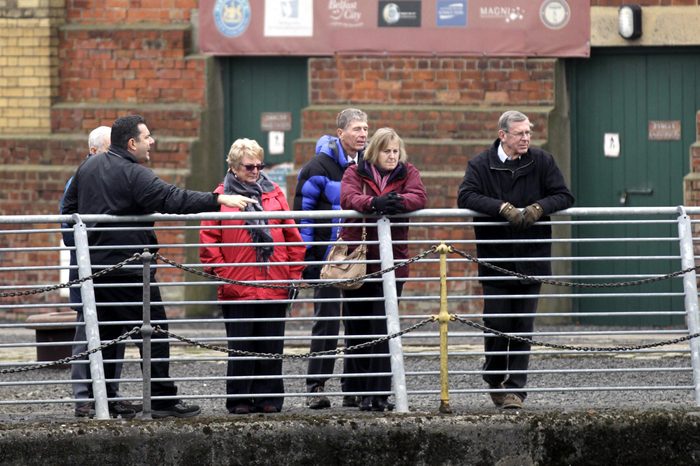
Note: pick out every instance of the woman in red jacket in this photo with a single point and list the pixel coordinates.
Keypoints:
(264, 254)
(382, 183)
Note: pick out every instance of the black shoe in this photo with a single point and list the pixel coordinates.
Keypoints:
(180, 409)
(85, 409)
(318, 401)
(379, 403)
(242, 409)
(350, 401)
(366, 403)
(122, 409)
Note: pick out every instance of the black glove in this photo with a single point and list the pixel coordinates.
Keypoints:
(388, 204)
(513, 215)
(531, 214)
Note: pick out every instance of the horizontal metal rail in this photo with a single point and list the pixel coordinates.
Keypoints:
(33, 249)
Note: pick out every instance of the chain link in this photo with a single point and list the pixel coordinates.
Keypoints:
(468, 256)
(302, 286)
(73, 357)
(569, 347)
(77, 281)
(337, 351)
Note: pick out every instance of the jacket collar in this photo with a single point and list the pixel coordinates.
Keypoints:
(121, 153)
(399, 172)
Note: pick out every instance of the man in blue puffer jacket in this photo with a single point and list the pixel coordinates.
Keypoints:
(318, 188)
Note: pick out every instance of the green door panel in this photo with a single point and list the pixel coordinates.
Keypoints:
(257, 85)
(620, 91)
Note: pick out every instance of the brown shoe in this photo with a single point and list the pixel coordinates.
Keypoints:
(497, 397)
(512, 401)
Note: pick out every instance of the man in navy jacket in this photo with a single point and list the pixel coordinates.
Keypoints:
(499, 182)
(318, 188)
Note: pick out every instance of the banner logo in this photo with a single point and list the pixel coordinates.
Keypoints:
(232, 17)
(451, 13)
(555, 14)
(399, 14)
(509, 14)
(344, 13)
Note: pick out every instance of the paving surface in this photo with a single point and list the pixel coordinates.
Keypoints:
(657, 379)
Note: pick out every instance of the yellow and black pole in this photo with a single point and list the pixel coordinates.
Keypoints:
(443, 320)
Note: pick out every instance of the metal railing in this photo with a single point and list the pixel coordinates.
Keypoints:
(635, 275)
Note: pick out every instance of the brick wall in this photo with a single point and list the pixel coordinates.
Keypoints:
(446, 110)
(27, 65)
(444, 81)
(71, 67)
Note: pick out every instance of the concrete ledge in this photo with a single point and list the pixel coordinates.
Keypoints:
(591, 437)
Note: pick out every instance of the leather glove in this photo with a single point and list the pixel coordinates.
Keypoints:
(513, 215)
(387, 204)
(396, 204)
(531, 214)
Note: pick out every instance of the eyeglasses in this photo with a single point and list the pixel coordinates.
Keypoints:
(521, 134)
(251, 167)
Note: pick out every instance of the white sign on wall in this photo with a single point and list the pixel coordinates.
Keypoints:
(611, 144)
(275, 142)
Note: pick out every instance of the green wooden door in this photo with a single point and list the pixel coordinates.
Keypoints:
(621, 92)
(257, 85)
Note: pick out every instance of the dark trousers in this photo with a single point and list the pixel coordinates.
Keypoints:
(159, 349)
(514, 357)
(80, 371)
(246, 330)
(324, 328)
(355, 331)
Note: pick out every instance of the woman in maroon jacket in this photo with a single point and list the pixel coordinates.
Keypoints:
(385, 184)
(245, 176)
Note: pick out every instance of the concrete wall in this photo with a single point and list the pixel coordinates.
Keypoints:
(592, 438)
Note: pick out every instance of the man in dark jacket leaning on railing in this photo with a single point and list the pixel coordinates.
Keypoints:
(499, 182)
(118, 183)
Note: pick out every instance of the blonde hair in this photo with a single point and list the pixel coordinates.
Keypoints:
(380, 141)
(242, 147)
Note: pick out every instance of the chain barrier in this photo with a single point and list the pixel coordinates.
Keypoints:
(470, 323)
(77, 281)
(337, 351)
(303, 286)
(468, 256)
(73, 357)
(431, 250)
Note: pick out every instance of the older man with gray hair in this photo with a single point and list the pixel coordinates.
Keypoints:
(521, 184)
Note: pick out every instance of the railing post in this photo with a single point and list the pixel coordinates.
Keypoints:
(146, 333)
(391, 305)
(690, 290)
(92, 328)
(444, 319)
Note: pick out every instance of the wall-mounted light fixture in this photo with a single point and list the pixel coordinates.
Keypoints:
(629, 21)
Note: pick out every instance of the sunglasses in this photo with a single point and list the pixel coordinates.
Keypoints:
(250, 167)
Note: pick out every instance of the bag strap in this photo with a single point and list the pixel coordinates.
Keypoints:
(364, 229)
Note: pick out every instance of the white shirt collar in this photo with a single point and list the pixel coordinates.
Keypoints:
(502, 154)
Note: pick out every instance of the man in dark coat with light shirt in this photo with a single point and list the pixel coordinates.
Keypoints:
(522, 185)
(118, 183)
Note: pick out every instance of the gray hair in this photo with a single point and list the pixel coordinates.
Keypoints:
(99, 139)
(347, 116)
(509, 117)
